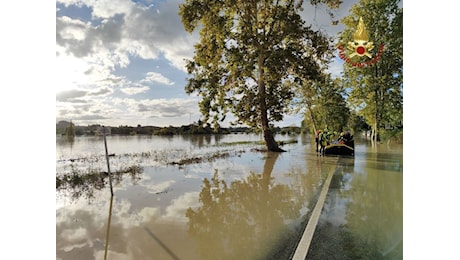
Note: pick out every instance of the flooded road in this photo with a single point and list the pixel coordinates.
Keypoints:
(219, 197)
(363, 214)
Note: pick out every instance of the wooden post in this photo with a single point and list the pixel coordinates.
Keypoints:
(108, 164)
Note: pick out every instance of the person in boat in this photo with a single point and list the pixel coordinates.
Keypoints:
(341, 139)
(345, 137)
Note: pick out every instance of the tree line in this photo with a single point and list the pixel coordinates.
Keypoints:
(71, 130)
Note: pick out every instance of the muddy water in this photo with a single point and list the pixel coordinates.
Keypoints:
(231, 202)
(363, 214)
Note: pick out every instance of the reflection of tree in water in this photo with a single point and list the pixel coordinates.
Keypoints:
(243, 220)
(308, 181)
(375, 211)
(373, 216)
(202, 140)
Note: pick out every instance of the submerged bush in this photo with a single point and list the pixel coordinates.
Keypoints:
(80, 182)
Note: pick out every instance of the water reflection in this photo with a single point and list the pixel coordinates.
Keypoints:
(363, 217)
(246, 208)
(67, 141)
(108, 228)
(375, 209)
(243, 220)
(84, 183)
(164, 246)
(199, 141)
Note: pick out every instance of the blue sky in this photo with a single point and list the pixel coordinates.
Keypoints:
(121, 62)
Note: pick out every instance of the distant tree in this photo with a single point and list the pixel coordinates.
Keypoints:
(70, 131)
(249, 55)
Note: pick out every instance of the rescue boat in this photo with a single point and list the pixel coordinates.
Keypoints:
(340, 148)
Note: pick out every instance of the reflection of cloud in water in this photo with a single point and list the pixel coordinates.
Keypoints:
(161, 187)
(81, 227)
(99, 254)
(77, 227)
(76, 237)
(232, 168)
(148, 213)
(176, 211)
(228, 168)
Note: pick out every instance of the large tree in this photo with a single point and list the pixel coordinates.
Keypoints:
(249, 56)
(376, 90)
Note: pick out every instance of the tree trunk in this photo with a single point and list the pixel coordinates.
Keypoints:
(268, 134)
(378, 107)
(313, 120)
(377, 132)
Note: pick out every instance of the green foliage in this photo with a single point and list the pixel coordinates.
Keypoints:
(376, 91)
(130, 130)
(165, 131)
(324, 104)
(334, 106)
(358, 123)
(393, 135)
(249, 56)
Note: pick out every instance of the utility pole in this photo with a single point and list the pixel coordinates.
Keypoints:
(108, 164)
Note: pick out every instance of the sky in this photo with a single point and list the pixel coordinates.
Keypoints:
(121, 62)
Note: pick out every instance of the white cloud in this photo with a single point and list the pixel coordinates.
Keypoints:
(158, 78)
(69, 95)
(82, 111)
(101, 92)
(80, 95)
(167, 107)
(134, 90)
(109, 8)
(137, 30)
(88, 54)
(122, 111)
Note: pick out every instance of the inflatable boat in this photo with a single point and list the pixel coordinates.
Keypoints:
(340, 148)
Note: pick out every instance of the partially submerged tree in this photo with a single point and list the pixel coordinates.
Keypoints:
(249, 56)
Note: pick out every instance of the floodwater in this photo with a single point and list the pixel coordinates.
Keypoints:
(220, 197)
